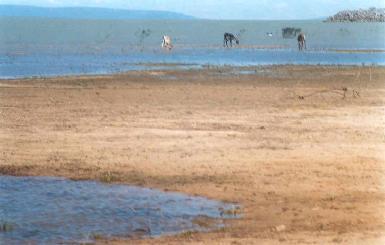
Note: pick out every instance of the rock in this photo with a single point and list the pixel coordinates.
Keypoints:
(361, 15)
(315, 208)
(280, 228)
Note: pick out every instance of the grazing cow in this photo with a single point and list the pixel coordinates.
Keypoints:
(301, 41)
(228, 37)
(166, 43)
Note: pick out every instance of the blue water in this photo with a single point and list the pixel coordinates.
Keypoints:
(51, 47)
(52, 65)
(43, 210)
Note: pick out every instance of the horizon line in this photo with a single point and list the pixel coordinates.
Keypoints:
(164, 11)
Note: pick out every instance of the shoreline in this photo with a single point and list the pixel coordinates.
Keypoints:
(305, 163)
(211, 217)
(148, 67)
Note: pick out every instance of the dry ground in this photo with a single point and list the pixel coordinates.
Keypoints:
(278, 142)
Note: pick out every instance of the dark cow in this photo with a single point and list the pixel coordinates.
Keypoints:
(229, 37)
(301, 41)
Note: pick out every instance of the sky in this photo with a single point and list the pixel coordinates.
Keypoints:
(222, 9)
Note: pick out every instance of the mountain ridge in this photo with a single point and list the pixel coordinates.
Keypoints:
(87, 13)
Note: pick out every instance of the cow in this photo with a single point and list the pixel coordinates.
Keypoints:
(229, 37)
(166, 43)
(301, 41)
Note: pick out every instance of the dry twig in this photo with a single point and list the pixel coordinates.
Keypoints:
(342, 91)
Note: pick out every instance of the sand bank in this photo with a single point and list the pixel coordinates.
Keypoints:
(294, 145)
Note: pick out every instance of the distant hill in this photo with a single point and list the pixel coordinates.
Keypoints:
(361, 15)
(87, 13)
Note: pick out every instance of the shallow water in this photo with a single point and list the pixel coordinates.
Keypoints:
(55, 210)
(50, 47)
(48, 65)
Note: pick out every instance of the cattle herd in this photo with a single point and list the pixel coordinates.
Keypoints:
(228, 38)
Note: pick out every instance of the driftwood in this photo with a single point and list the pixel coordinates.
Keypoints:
(342, 91)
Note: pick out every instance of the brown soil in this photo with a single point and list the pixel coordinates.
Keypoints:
(305, 163)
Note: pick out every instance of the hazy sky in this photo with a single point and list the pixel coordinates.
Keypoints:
(223, 9)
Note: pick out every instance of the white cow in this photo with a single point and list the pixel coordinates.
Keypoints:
(166, 43)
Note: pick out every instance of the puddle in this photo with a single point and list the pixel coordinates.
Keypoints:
(259, 70)
(55, 210)
(243, 72)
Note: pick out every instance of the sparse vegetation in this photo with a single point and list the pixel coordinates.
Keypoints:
(108, 177)
(6, 227)
(97, 236)
(205, 221)
(234, 211)
(187, 234)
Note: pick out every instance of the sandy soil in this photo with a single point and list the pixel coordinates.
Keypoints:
(306, 164)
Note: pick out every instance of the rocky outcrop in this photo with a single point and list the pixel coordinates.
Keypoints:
(361, 15)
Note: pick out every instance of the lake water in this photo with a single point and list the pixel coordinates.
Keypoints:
(50, 47)
(42, 210)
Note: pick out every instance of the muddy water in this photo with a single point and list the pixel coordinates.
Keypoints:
(55, 210)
